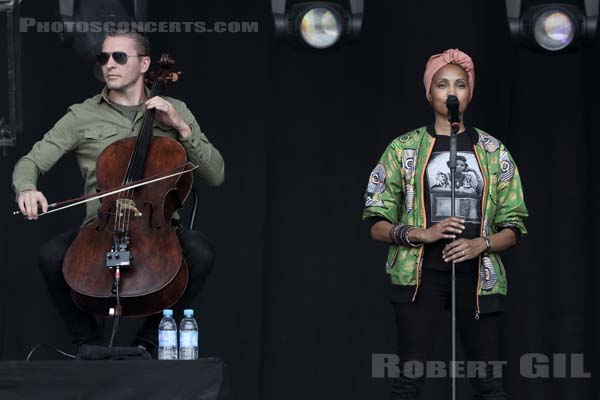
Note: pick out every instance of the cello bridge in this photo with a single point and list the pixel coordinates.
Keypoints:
(127, 204)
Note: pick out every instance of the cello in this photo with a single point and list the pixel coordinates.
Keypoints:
(128, 261)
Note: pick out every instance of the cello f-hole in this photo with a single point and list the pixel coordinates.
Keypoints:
(151, 216)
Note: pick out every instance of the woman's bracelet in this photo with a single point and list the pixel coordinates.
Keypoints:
(408, 241)
(488, 243)
(393, 236)
(399, 235)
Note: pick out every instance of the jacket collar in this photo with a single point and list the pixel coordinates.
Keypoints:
(470, 131)
(104, 95)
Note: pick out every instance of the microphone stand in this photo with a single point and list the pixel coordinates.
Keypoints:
(454, 118)
(453, 132)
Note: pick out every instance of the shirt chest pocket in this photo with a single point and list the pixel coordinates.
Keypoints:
(100, 133)
(94, 140)
(160, 129)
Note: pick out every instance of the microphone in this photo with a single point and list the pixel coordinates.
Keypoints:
(452, 104)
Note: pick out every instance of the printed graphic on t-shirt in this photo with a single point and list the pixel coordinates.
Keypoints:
(468, 182)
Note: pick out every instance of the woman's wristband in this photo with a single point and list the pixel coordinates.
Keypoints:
(488, 244)
(411, 244)
(393, 235)
(399, 235)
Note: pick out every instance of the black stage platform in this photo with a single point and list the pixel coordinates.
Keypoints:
(204, 379)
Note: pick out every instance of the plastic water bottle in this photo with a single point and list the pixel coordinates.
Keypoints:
(188, 337)
(167, 337)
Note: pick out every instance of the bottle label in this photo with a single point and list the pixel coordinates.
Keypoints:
(188, 339)
(167, 339)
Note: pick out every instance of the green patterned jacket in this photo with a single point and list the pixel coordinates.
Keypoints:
(395, 193)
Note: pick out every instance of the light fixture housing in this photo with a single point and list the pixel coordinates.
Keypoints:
(6, 5)
(553, 27)
(12, 125)
(318, 25)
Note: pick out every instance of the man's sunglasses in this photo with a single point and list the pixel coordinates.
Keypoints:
(120, 57)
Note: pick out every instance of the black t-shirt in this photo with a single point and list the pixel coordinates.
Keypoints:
(469, 189)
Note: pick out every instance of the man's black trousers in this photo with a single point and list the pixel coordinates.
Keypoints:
(83, 327)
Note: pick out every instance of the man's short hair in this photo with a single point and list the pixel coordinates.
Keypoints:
(142, 44)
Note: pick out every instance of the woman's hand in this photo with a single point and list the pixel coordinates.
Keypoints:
(463, 249)
(445, 229)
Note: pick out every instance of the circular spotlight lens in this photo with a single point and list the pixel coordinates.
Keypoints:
(320, 27)
(554, 30)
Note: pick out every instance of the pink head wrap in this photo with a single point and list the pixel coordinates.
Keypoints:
(450, 56)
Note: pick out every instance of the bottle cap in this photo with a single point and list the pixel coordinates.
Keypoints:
(188, 312)
(167, 313)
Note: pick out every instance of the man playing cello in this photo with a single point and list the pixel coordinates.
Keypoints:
(87, 129)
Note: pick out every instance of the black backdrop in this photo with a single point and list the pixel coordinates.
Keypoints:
(297, 302)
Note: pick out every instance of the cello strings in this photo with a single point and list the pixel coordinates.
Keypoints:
(122, 225)
(138, 168)
(129, 193)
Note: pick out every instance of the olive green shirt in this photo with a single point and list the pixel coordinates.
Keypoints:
(87, 128)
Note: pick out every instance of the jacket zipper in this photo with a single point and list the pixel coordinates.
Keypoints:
(420, 257)
(483, 200)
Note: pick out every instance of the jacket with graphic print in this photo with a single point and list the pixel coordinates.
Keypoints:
(395, 192)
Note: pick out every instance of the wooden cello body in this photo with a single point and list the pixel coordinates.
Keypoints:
(129, 258)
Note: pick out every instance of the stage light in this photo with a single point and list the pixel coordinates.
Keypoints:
(7, 4)
(552, 27)
(319, 25)
(9, 129)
